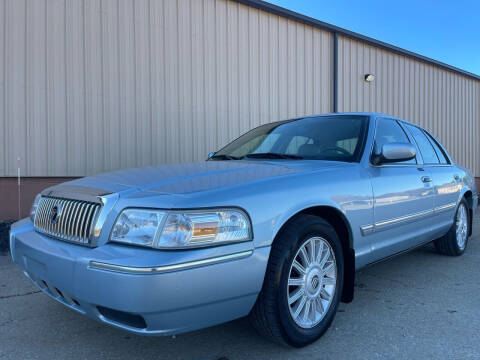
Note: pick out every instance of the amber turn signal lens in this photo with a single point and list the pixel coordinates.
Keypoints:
(205, 229)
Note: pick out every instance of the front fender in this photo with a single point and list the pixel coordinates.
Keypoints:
(462, 194)
(298, 208)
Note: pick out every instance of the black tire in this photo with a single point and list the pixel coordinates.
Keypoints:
(447, 244)
(271, 314)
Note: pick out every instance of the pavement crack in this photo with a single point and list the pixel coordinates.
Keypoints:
(18, 295)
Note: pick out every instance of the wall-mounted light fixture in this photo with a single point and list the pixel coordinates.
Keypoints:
(369, 77)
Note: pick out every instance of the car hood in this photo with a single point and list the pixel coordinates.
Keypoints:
(199, 176)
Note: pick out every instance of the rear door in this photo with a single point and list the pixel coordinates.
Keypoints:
(446, 182)
(403, 197)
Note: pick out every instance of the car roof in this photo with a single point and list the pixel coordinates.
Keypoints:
(369, 114)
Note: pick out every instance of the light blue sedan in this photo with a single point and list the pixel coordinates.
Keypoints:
(273, 226)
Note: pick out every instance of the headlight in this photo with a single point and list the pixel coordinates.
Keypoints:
(135, 226)
(33, 209)
(174, 229)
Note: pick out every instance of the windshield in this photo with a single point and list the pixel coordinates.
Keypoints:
(337, 138)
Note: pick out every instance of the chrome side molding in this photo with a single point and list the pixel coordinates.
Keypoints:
(382, 225)
(367, 229)
(445, 207)
(386, 223)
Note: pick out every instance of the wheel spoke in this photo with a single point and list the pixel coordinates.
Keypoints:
(299, 267)
(325, 295)
(307, 310)
(329, 281)
(320, 252)
(304, 256)
(300, 307)
(328, 268)
(325, 258)
(296, 281)
(297, 294)
(319, 305)
(312, 250)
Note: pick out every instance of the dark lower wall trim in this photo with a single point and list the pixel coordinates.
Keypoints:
(29, 188)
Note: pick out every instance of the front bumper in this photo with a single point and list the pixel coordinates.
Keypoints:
(144, 291)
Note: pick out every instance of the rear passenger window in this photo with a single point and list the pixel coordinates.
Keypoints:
(428, 152)
(389, 131)
(440, 153)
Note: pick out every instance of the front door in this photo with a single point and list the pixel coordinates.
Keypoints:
(403, 197)
(447, 182)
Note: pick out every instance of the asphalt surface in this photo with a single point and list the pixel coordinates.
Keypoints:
(416, 306)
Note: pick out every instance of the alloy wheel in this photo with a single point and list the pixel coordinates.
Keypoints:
(462, 227)
(312, 282)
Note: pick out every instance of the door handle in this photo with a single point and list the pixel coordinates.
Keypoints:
(426, 179)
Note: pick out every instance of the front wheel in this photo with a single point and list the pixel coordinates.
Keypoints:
(302, 287)
(455, 241)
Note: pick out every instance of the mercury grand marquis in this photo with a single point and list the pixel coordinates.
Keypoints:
(272, 226)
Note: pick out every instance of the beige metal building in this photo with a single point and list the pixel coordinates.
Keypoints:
(92, 86)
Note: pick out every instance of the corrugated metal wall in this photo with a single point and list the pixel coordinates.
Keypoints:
(89, 86)
(444, 102)
(95, 85)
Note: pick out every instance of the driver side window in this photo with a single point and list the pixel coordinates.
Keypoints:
(389, 131)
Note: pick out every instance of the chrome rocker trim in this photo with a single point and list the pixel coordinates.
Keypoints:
(168, 268)
(383, 224)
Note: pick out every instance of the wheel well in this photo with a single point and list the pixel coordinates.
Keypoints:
(336, 219)
(341, 226)
(469, 198)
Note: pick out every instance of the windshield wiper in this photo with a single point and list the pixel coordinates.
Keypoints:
(224, 157)
(271, 155)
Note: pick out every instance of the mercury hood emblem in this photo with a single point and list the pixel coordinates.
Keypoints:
(55, 213)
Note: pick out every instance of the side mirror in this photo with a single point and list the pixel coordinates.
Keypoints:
(210, 154)
(394, 152)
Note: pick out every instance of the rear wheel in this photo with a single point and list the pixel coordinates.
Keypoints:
(302, 287)
(455, 241)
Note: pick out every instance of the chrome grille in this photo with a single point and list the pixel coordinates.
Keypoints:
(65, 219)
